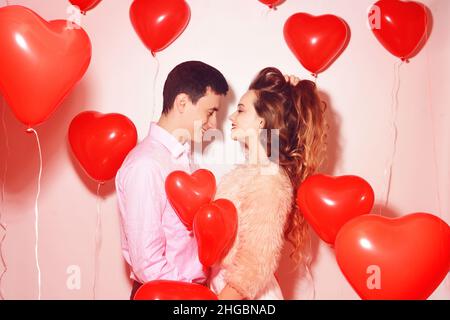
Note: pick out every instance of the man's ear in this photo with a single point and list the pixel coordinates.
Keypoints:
(181, 102)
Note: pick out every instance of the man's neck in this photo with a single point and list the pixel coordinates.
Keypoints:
(171, 127)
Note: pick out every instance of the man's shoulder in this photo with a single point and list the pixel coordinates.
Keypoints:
(146, 157)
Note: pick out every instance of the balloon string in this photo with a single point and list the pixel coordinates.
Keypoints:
(266, 14)
(394, 111)
(36, 210)
(2, 209)
(433, 133)
(436, 164)
(433, 136)
(98, 241)
(154, 86)
(262, 12)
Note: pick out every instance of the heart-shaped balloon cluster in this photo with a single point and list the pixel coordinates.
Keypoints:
(214, 223)
(382, 258)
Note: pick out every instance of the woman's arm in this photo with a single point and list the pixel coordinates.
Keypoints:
(229, 293)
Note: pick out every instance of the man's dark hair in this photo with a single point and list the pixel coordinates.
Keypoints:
(192, 78)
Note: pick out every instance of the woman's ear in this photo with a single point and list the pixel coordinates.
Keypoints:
(262, 124)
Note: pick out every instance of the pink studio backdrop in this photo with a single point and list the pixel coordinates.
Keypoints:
(240, 38)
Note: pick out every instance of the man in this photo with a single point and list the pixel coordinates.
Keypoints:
(155, 243)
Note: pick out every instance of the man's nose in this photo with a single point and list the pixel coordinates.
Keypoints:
(212, 122)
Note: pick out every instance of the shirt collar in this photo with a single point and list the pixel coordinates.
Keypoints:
(168, 140)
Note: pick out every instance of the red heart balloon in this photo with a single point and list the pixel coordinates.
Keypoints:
(188, 193)
(270, 3)
(400, 26)
(215, 227)
(328, 202)
(40, 62)
(316, 41)
(394, 259)
(159, 22)
(85, 5)
(101, 142)
(173, 290)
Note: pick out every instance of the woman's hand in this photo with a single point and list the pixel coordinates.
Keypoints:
(229, 293)
(292, 80)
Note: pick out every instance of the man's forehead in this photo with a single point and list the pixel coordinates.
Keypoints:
(213, 97)
(210, 92)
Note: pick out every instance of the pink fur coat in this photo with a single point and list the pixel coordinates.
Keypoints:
(263, 197)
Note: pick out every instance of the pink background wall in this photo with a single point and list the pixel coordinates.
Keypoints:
(239, 37)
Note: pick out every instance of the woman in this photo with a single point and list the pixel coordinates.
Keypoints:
(263, 189)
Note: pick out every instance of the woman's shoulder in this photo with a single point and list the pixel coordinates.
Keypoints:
(258, 179)
(257, 171)
(271, 172)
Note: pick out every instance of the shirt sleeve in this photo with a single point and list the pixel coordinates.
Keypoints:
(144, 202)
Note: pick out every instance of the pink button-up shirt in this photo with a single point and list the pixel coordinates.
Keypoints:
(155, 243)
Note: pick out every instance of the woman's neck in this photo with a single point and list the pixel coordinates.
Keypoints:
(255, 154)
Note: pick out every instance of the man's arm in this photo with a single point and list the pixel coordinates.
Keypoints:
(144, 201)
